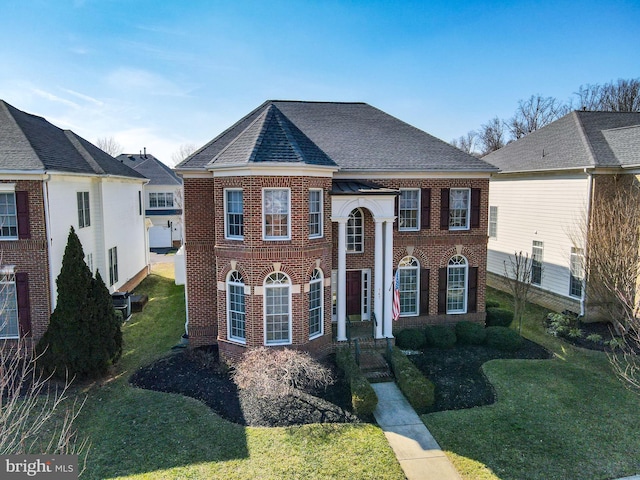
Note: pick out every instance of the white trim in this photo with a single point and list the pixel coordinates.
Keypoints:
(320, 213)
(418, 210)
(319, 281)
(266, 288)
(3, 285)
(466, 285)
(7, 187)
(264, 223)
(417, 290)
(226, 213)
(468, 216)
(230, 337)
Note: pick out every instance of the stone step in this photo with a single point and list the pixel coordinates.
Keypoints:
(374, 367)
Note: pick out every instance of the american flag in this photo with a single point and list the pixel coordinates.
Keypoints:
(395, 309)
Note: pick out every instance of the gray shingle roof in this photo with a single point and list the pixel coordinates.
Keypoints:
(579, 139)
(152, 168)
(352, 136)
(31, 143)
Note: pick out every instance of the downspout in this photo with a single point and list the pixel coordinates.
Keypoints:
(47, 223)
(583, 299)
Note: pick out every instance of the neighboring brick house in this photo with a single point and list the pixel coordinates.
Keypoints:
(162, 199)
(50, 180)
(290, 225)
(550, 182)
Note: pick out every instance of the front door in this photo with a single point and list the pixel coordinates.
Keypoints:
(354, 294)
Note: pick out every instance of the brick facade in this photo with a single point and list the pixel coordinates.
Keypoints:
(210, 257)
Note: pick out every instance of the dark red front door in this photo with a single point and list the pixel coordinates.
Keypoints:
(354, 292)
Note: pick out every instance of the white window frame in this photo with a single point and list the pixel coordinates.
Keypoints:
(366, 294)
(84, 209)
(281, 281)
(8, 213)
(409, 264)
(9, 304)
(576, 262)
(355, 231)
(227, 223)
(160, 200)
(265, 191)
(318, 230)
(401, 218)
(455, 218)
(493, 221)
(113, 266)
(235, 281)
(456, 263)
(334, 295)
(537, 258)
(316, 287)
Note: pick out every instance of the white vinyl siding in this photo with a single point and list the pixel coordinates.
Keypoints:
(547, 208)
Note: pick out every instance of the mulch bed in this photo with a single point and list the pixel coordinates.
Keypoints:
(457, 373)
(198, 374)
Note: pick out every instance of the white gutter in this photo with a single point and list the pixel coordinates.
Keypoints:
(47, 222)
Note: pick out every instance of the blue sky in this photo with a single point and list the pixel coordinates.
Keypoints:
(159, 74)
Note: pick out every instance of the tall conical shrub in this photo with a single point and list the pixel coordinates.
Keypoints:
(84, 337)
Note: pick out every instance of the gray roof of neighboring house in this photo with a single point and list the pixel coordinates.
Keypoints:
(577, 140)
(346, 136)
(31, 143)
(152, 168)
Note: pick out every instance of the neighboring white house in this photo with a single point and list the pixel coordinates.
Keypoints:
(539, 200)
(52, 180)
(162, 199)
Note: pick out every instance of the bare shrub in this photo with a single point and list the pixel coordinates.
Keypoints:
(36, 414)
(280, 372)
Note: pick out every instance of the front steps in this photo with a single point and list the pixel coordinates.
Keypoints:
(374, 367)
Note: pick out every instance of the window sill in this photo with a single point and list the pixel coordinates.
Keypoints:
(317, 335)
(276, 344)
(237, 341)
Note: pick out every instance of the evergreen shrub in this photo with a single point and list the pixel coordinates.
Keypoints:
(440, 336)
(410, 339)
(418, 389)
(469, 333)
(504, 338)
(499, 317)
(363, 397)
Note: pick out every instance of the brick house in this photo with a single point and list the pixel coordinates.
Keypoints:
(298, 215)
(50, 180)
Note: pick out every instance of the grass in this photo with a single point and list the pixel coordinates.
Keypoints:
(140, 434)
(566, 418)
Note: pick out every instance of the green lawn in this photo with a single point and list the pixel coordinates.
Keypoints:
(141, 434)
(566, 418)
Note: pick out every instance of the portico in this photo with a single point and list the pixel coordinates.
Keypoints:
(346, 197)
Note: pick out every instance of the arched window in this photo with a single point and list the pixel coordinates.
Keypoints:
(355, 229)
(408, 270)
(457, 285)
(316, 304)
(277, 309)
(236, 321)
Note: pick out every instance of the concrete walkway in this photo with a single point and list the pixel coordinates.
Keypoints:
(417, 451)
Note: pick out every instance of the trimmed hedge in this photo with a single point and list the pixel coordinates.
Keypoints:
(499, 317)
(411, 339)
(470, 333)
(504, 338)
(440, 336)
(418, 389)
(491, 304)
(363, 398)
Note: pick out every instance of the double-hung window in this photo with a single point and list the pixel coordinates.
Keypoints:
(160, 200)
(408, 210)
(236, 307)
(536, 262)
(113, 265)
(84, 212)
(315, 304)
(576, 272)
(234, 214)
(493, 222)
(315, 213)
(277, 309)
(9, 327)
(459, 208)
(457, 285)
(355, 232)
(276, 210)
(8, 216)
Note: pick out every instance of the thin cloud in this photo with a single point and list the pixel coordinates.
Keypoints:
(84, 97)
(145, 81)
(54, 98)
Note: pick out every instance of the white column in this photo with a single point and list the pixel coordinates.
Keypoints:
(341, 300)
(388, 278)
(378, 286)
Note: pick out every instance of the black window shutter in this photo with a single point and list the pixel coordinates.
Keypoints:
(22, 208)
(475, 207)
(442, 290)
(444, 209)
(472, 294)
(396, 207)
(425, 214)
(424, 291)
(24, 305)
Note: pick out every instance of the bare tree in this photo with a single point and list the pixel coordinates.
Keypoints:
(491, 136)
(535, 113)
(620, 96)
(183, 152)
(518, 271)
(466, 143)
(35, 415)
(109, 145)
